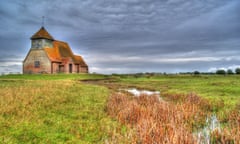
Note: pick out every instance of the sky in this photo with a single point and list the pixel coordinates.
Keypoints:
(127, 36)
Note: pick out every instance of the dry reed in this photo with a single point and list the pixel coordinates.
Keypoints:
(155, 121)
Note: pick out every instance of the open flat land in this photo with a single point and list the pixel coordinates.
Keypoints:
(67, 109)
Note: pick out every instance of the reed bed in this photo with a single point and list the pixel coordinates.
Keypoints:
(156, 121)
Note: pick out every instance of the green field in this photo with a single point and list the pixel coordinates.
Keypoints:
(215, 88)
(53, 109)
(62, 109)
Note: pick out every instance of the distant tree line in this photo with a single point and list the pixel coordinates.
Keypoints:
(221, 72)
(152, 74)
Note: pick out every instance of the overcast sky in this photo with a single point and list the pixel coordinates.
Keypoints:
(127, 36)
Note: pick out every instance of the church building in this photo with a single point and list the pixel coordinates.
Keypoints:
(48, 55)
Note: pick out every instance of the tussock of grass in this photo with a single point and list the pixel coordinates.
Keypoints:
(44, 111)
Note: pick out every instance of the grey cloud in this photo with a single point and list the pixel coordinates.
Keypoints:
(146, 29)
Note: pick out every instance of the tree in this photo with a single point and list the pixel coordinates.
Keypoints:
(230, 72)
(196, 72)
(221, 71)
(237, 70)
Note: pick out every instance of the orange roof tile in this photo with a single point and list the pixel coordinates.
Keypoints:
(53, 54)
(61, 51)
(63, 48)
(42, 33)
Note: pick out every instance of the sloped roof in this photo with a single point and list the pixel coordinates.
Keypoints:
(79, 60)
(42, 33)
(61, 51)
(53, 54)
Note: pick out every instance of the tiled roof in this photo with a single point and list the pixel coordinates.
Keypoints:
(79, 60)
(42, 33)
(53, 54)
(61, 51)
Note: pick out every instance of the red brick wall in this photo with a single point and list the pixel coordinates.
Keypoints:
(83, 69)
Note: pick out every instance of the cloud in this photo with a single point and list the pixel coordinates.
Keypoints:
(125, 35)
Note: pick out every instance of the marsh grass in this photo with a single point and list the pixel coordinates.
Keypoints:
(59, 111)
(223, 92)
(155, 121)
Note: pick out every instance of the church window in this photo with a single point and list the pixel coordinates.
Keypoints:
(37, 64)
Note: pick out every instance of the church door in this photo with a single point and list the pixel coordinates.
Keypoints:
(70, 68)
(61, 68)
